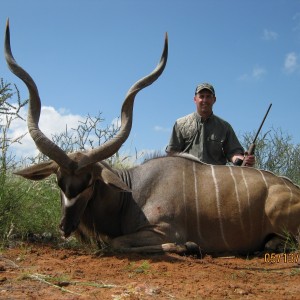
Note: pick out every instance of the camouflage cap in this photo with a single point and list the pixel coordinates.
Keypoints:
(205, 86)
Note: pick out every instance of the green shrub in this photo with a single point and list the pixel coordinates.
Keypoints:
(28, 208)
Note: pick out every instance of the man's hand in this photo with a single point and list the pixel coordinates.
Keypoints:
(249, 160)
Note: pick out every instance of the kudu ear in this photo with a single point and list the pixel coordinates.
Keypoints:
(105, 174)
(39, 171)
(113, 180)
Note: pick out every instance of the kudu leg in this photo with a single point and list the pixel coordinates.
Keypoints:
(151, 242)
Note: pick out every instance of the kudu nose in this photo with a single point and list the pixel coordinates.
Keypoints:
(67, 230)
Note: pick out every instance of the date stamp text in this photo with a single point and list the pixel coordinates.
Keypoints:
(274, 258)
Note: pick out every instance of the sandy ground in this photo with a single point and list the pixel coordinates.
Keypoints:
(33, 271)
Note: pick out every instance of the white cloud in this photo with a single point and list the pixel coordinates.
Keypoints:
(257, 73)
(244, 77)
(291, 62)
(51, 122)
(296, 16)
(161, 129)
(269, 35)
(296, 19)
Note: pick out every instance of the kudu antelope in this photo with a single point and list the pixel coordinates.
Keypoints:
(165, 204)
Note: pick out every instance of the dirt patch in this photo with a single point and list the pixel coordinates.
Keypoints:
(44, 272)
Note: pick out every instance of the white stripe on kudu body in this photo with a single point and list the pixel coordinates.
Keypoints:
(248, 202)
(219, 206)
(184, 200)
(264, 178)
(197, 200)
(290, 200)
(263, 211)
(238, 199)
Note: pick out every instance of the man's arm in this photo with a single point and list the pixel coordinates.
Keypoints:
(176, 143)
(237, 150)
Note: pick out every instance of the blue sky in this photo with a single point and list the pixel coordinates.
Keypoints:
(85, 54)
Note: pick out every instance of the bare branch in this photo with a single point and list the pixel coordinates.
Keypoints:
(9, 112)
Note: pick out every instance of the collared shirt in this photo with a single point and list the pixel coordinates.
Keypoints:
(212, 140)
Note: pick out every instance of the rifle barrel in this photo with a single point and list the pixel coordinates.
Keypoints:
(262, 123)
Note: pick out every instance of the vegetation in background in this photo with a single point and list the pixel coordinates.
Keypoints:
(31, 209)
(9, 112)
(27, 208)
(276, 152)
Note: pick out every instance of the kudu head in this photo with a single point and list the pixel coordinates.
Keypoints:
(76, 172)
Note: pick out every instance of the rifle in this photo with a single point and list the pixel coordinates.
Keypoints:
(240, 162)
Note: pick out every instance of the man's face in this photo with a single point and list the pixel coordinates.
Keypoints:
(204, 101)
